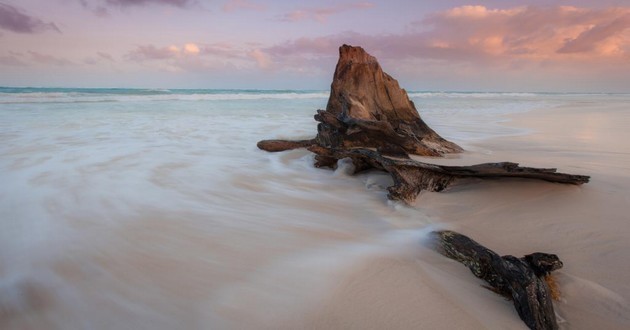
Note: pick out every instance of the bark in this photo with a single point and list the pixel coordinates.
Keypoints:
(367, 111)
(367, 108)
(283, 145)
(521, 279)
(411, 176)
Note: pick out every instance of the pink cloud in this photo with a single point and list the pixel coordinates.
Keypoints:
(476, 34)
(320, 45)
(529, 32)
(194, 57)
(48, 59)
(234, 5)
(100, 57)
(151, 52)
(13, 19)
(262, 59)
(98, 10)
(217, 50)
(588, 40)
(12, 59)
(101, 8)
(222, 50)
(105, 56)
(321, 14)
(176, 3)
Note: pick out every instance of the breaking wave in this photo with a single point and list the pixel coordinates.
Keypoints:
(91, 95)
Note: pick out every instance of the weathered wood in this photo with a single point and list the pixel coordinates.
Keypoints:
(411, 176)
(521, 279)
(283, 145)
(370, 119)
(367, 108)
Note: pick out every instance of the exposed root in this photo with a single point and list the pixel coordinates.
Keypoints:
(554, 288)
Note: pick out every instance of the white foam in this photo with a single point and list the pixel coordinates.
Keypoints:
(77, 97)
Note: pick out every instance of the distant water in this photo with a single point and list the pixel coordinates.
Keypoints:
(436, 107)
(145, 208)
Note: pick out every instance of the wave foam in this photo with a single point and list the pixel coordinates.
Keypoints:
(105, 95)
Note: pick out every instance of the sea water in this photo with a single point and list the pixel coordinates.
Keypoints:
(146, 209)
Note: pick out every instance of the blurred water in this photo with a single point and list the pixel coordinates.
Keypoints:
(155, 209)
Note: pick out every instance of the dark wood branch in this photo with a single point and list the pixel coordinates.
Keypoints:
(521, 279)
(411, 176)
(283, 145)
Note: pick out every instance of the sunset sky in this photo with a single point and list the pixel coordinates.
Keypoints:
(496, 45)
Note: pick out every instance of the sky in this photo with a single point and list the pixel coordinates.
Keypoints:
(446, 45)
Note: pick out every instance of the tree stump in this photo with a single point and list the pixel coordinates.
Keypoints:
(371, 120)
(367, 108)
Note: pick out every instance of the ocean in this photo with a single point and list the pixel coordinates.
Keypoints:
(153, 208)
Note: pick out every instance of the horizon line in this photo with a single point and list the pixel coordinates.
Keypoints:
(309, 90)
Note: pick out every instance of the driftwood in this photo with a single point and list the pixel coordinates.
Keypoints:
(367, 108)
(283, 145)
(370, 119)
(411, 177)
(521, 279)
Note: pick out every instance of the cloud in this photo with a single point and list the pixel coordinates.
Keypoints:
(191, 48)
(175, 3)
(467, 42)
(151, 52)
(533, 33)
(262, 59)
(604, 34)
(98, 10)
(234, 5)
(193, 57)
(321, 14)
(13, 19)
(48, 59)
(101, 8)
(12, 59)
(100, 57)
(221, 50)
(105, 56)
(212, 57)
(479, 35)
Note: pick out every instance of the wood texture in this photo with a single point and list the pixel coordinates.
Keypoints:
(521, 279)
(411, 176)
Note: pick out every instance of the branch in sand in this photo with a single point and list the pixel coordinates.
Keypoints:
(411, 177)
(520, 279)
(284, 145)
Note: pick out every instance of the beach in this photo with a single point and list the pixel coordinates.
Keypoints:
(153, 209)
